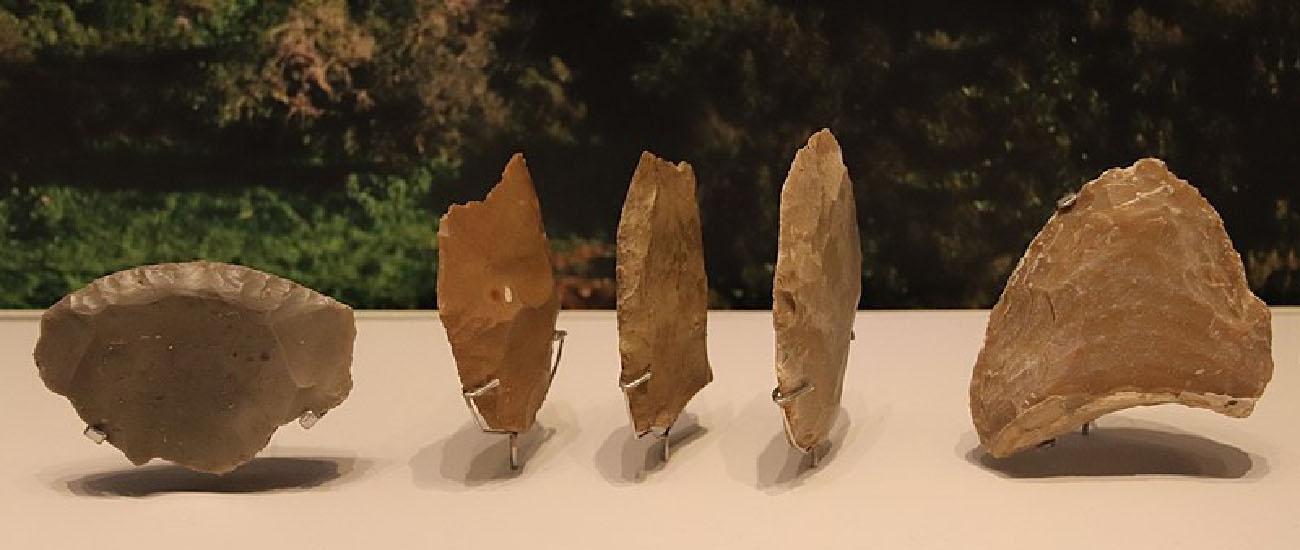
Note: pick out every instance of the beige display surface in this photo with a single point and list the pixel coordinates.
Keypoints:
(401, 465)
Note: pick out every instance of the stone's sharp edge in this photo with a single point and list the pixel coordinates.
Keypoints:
(235, 284)
(1057, 414)
(265, 351)
(1136, 286)
(498, 299)
(816, 287)
(662, 293)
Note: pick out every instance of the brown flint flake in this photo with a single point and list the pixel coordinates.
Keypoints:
(197, 363)
(498, 300)
(662, 294)
(1131, 295)
(816, 289)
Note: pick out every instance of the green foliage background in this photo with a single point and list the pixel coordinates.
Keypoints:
(372, 244)
(321, 139)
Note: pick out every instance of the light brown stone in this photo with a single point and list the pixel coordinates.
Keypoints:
(197, 363)
(816, 289)
(1131, 295)
(498, 300)
(662, 294)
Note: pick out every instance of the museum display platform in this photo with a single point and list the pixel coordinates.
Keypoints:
(401, 464)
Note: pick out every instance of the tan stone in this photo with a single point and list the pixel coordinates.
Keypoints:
(816, 289)
(498, 300)
(1131, 295)
(197, 363)
(662, 294)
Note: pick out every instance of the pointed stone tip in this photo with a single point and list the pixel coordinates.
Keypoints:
(821, 147)
(444, 229)
(1146, 168)
(1151, 166)
(648, 158)
(823, 138)
(820, 144)
(1150, 162)
(515, 166)
(515, 178)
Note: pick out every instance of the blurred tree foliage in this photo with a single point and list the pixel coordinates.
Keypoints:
(230, 92)
(373, 243)
(962, 123)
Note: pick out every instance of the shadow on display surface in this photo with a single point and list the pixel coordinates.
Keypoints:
(471, 457)
(781, 466)
(1116, 447)
(776, 467)
(261, 475)
(624, 459)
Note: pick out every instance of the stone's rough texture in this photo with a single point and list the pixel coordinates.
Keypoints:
(498, 300)
(816, 289)
(1131, 295)
(197, 363)
(662, 293)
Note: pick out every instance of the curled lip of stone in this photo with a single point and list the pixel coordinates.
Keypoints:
(1099, 374)
(1057, 414)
